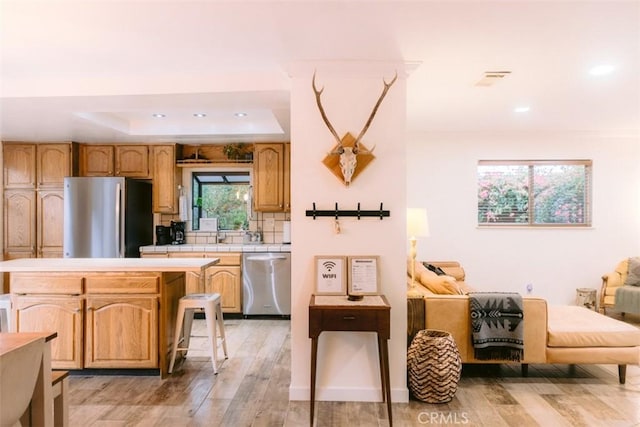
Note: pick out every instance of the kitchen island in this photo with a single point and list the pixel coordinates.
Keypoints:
(109, 313)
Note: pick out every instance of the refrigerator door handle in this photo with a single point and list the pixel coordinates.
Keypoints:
(118, 240)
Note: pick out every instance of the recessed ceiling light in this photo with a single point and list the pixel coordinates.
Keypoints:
(240, 114)
(601, 70)
(158, 115)
(522, 109)
(199, 115)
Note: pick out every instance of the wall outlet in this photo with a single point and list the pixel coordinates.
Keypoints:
(529, 288)
(270, 223)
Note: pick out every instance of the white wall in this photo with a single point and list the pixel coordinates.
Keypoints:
(347, 362)
(441, 175)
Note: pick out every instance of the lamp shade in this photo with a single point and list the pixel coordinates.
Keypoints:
(417, 223)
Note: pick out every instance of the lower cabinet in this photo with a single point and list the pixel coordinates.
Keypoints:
(225, 280)
(62, 314)
(121, 331)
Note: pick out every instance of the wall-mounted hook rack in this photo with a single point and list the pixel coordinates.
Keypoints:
(341, 212)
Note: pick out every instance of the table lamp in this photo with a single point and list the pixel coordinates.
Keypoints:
(417, 226)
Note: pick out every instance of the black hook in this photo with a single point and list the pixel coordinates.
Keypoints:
(336, 211)
(380, 210)
(314, 210)
(358, 211)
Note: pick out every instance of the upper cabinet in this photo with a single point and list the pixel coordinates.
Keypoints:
(132, 161)
(271, 177)
(96, 160)
(166, 178)
(115, 160)
(19, 165)
(53, 164)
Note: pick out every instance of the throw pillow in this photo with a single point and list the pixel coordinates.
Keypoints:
(633, 275)
(443, 285)
(437, 270)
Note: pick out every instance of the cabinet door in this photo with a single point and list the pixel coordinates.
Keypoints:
(132, 161)
(287, 177)
(192, 282)
(96, 160)
(19, 165)
(269, 177)
(166, 179)
(50, 223)
(121, 331)
(225, 281)
(53, 164)
(20, 221)
(61, 314)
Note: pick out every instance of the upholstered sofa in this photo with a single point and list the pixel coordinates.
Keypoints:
(552, 334)
(621, 287)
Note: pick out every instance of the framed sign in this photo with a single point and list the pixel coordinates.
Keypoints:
(331, 275)
(364, 277)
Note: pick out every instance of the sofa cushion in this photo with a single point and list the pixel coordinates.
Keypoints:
(633, 274)
(574, 326)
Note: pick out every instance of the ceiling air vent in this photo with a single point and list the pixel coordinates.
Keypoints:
(491, 77)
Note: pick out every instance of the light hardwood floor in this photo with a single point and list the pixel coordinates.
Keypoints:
(251, 389)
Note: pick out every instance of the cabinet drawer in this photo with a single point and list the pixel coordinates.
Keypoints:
(348, 320)
(123, 284)
(50, 283)
(226, 258)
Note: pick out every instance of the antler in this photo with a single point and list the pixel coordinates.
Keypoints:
(374, 111)
(322, 113)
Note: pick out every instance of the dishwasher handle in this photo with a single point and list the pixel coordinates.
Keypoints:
(266, 258)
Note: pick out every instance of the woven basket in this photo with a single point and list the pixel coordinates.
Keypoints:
(434, 366)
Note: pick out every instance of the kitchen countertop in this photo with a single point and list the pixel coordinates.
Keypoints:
(223, 247)
(107, 264)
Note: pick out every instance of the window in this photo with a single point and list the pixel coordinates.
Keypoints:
(534, 193)
(222, 195)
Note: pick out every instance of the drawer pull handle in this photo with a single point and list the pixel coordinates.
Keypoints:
(349, 318)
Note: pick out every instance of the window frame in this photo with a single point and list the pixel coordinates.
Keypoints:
(588, 203)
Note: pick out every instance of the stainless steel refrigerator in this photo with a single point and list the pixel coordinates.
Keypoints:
(106, 217)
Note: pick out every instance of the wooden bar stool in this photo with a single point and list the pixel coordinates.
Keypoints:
(210, 304)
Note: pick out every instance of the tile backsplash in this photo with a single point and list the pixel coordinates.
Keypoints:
(270, 224)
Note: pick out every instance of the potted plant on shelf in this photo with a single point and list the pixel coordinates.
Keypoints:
(232, 151)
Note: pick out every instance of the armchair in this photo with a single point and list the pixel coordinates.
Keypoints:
(621, 288)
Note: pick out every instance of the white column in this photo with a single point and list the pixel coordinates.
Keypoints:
(347, 362)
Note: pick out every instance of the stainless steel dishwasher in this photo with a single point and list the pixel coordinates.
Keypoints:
(266, 283)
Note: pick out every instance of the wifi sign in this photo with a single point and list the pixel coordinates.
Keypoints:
(329, 265)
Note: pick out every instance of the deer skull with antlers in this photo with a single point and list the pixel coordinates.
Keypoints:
(349, 152)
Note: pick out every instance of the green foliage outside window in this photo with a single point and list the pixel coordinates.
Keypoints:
(221, 195)
(534, 193)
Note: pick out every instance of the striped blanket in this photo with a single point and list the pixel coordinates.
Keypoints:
(497, 323)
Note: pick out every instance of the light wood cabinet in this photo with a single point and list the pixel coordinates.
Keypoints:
(166, 179)
(224, 278)
(33, 200)
(271, 177)
(226, 281)
(20, 223)
(132, 161)
(96, 160)
(121, 331)
(287, 177)
(19, 165)
(50, 224)
(53, 164)
(268, 177)
(60, 314)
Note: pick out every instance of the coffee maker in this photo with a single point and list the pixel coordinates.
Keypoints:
(177, 232)
(163, 235)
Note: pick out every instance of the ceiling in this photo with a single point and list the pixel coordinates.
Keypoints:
(96, 71)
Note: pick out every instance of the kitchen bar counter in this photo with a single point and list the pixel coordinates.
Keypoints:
(109, 313)
(222, 247)
(164, 265)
